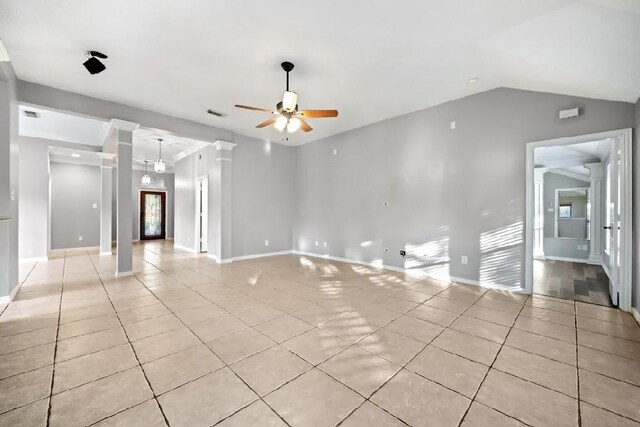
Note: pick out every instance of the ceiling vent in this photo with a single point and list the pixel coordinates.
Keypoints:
(215, 113)
(31, 114)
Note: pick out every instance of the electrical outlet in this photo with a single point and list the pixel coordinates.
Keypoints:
(80, 238)
(335, 151)
(584, 247)
(579, 247)
(317, 243)
(452, 125)
(464, 259)
(95, 206)
(325, 244)
(266, 242)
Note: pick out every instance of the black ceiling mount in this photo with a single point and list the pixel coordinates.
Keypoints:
(93, 64)
(287, 66)
(97, 54)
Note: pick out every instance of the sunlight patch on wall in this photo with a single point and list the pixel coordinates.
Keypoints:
(501, 256)
(430, 258)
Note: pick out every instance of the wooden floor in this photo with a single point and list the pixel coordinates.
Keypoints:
(572, 281)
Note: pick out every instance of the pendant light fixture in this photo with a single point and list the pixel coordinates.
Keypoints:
(159, 166)
(146, 179)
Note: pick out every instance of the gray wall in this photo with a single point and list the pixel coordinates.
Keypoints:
(262, 190)
(74, 191)
(34, 193)
(636, 208)
(450, 192)
(9, 180)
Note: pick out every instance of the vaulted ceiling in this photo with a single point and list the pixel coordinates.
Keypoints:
(370, 59)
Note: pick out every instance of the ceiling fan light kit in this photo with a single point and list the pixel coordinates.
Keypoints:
(288, 117)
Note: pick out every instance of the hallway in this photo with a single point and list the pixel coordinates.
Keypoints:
(571, 281)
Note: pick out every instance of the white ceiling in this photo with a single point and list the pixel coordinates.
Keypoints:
(145, 147)
(370, 59)
(571, 155)
(62, 127)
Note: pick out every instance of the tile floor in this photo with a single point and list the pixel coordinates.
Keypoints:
(571, 280)
(300, 341)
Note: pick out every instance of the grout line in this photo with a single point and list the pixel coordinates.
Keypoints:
(55, 349)
(575, 309)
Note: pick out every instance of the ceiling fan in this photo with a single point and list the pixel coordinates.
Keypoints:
(287, 115)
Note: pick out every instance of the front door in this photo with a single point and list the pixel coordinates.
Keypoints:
(152, 215)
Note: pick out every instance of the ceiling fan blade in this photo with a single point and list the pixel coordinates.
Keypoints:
(266, 123)
(318, 113)
(246, 107)
(305, 126)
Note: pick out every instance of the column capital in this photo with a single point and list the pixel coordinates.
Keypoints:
(538, 174)
(224, 145)
(124, 125)
(597, 170)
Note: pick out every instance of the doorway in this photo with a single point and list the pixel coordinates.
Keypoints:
(202, 214)
(152, 215)
(568, 237)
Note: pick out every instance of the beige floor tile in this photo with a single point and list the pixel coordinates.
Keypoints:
(495, 316)
(474, 348)
(146, 414)
(206, 400)
(549, 315)
(90, 343)
(547, 329)
(369, 415)
(550, 304)
(129, 304)
(284, 327)
(480, 415)
(269, 369)
(360, 370)
(413, 296)
(13, 326)
(596, 417)
(31, 415)
(316, 346)
(291, 304)
(392, 346)
(461, 293)
(605, 313)
(177, 369)
(398, 305)
(26, 360)
(609, 344)
(316, 314)
(25, 388)
(137, 314)
(94, 401)
(480, 328)
(540, 370)
(350, 327)
(217, 327)
(25, 340)
(616, 396)
(415, 328)
(433, 315)
(514, 297)
(514, 397)
(257, 314)
(631, 333)
(560, 351)
(449, 370)
(375, 315)
(90, 367)
(157, 346)
(453, 306)
(150, 327)
(313, 399)
(256, 414)
(420, 402)
(86, 326)
(611, 365)
(195, 315)
(238, 345)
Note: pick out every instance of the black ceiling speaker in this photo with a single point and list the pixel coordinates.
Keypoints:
(93, 64)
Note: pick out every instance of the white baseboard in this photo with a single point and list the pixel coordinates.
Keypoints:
(218, 260)
(124, 273)
(34, 259)
(106, 253)
(636, 315)
(245, 257)
(80, 249)
(8, 298)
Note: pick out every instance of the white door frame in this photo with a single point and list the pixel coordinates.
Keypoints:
(626, 181)
(204, 179)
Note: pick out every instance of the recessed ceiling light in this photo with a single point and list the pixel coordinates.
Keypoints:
(473, 80)
(76, 155)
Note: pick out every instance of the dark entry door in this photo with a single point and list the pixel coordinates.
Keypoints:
(152, 215)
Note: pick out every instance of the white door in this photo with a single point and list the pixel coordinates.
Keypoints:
(612, 225)
(202, 216)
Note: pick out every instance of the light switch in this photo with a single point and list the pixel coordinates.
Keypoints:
(95, 206)
(453, 125)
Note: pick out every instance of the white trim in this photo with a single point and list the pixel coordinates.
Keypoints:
(222, 158)
(189, 151)
(568, 259)
(34, 259)
(224, 145)
(218, 260)
(78, 249)
(124, 273)
(7, 299)
(626, 142)
(636, 315)
(184, 248)
(573, 175)
(245, 257)
(124, 125)
(106, 253)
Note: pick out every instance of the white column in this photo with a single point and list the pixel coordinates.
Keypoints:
(106, 192)
(595, 226)
(220, 202)
(538, 223)
(124, 207)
